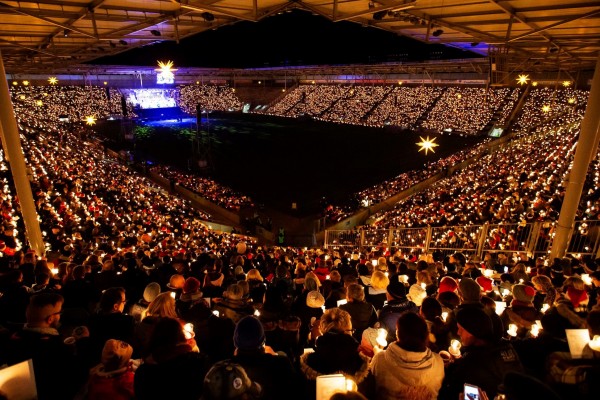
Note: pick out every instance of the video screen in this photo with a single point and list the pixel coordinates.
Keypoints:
(150, 98)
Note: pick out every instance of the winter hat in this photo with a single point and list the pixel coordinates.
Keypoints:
(369, 337)
(176, 282)
(151, 291)
(475, 321)
(523, 293)
(226, 380)
(249, 334)
(485, 283)
(448, 284)
(576, 296)
(416, 294)
(396, 289)
(470, 290)
(191, 285)
(315, 299)
(115, 355)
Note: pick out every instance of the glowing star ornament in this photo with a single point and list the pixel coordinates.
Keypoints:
(534, 84)
(166, 73)
(572, 100)
(427, 144)
(523, 79)
(91, 120)
(546, 108)
(25, 83)
(566, 83)
(39, 103)
(53, 80)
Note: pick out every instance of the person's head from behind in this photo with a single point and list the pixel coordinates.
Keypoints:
(412, 332)
(475, 327)
(162, 306)
(112, 300)
(336, 320)
(229, 381)
(355, 293)
(44, 310)
(167, 335)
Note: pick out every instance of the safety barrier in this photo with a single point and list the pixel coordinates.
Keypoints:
(533, 238)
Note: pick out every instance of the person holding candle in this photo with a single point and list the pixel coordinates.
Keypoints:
(521, 311)
(362, 313)
(484, 360)
(408, 369)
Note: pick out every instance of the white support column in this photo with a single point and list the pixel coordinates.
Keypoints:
(10, 136)
(586, 148)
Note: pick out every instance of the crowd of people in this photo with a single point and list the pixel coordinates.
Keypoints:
(208, 97)
(460, 110)
(466, 110)
(546, 104)
(137, 298)
(515, 185)
(205, 187)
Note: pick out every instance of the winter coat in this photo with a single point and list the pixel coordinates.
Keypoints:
(363, 316)
(401, 374)
(114, 385)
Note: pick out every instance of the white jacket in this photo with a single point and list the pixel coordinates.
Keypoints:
(401, 374)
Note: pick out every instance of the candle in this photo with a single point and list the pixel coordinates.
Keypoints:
(172, 294)
(595, 343)
(586, 279)
(500, 307)
(545, 307)
(512, 330)
(54, 271)
(188, 331)
(256, 313)
(454, 348)
(216, 313)
(381, 337)
(488, 273)
(444, 316)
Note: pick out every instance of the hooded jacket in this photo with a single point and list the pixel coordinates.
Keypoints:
(402, 374)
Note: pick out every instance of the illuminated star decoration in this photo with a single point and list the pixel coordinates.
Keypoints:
(427, 144)
(25, 83)
(572, 100)
(91, 120)
(522, 79)
(546, 108)
(567, 83)
(166, 72)
(53, 80)
(39, 103)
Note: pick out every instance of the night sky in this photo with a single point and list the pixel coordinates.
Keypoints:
(292, 38)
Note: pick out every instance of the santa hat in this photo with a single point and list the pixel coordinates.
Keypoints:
(448, 284)
(485, 283)
(577, 297)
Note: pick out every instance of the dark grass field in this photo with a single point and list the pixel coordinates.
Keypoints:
(278, 161)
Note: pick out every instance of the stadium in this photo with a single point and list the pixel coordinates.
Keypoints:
(196, 206)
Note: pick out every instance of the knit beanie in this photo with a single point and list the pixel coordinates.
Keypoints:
(448, 284)
(470, 290)
(115, 355)
(523, 293)
(191, 285)
(396, 289)
(475, 321)
(249, 334)
(151, 291)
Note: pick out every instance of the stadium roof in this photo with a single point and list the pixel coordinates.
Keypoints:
(529, 35)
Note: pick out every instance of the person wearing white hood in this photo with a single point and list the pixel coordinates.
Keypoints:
(407, 369)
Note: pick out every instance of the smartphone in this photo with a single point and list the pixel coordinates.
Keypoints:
(471, 392)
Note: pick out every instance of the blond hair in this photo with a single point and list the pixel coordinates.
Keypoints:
(379, 281)
(254, 274)
(162, 306)
(335, 319)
